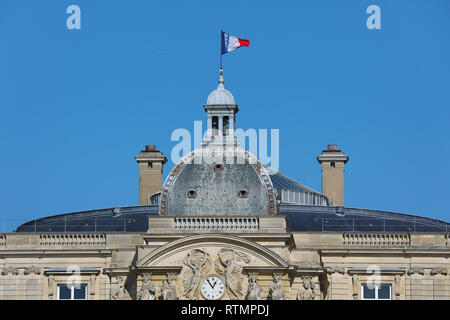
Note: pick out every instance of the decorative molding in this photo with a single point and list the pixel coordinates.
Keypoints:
(32, 270)
(355, 286)
(114, 271)
(2, 240)
(417, 270)
(336, 269)
(173, 270)
(51, 280)
(381, 271)
(258, 250)
(10, 270)
(69, 271)
(439, 270)
(92, 284)
(266, 270)
(397, 289)
(272, 208)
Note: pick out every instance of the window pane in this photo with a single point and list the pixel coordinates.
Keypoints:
(384, 292)
(64, 292)
(80, 293)
(368, 293)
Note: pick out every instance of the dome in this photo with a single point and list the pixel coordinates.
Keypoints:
(220, 96)
(198, 186)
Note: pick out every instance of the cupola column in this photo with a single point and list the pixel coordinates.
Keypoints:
(209, 125)
(220, 125)
(231, 125)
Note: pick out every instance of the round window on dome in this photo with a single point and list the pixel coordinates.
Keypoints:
(192, 194)
(243, 193)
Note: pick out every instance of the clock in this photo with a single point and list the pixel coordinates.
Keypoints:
(212, 288)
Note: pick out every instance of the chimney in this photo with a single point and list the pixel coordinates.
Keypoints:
(150, 163)
(333, 160)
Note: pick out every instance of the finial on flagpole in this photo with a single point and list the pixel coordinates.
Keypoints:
(221, 71)
(221, 80)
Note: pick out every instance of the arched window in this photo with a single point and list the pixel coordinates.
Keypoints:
(226, 125)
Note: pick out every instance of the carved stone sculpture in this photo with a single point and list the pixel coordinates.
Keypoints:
(32, 270)
(10, 270)
(168, 290)
(275, 289)
(229, 264)
(416, 270)
(439, 270)
(148, 290)
(254, 291)
(121, 292)
(197, 263)
(308, 291)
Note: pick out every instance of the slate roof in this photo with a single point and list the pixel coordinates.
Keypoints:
(301, 218)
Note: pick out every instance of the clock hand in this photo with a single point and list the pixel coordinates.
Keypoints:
(212, 287)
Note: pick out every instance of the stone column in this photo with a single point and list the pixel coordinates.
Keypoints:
(209, 125)
(220, 125)
(231, 125)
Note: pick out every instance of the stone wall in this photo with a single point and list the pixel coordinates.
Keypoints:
(311, 265)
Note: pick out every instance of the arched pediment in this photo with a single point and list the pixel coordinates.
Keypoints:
(173, 253)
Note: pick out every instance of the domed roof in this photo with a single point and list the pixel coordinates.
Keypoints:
(220, 96)
(203, 184)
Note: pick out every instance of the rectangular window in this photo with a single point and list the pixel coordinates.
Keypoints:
(376, 292)
(71, 292)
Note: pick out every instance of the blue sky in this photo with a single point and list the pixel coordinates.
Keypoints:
(78, 105)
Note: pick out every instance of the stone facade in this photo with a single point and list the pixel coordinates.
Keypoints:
(220, 230)
(306, 265)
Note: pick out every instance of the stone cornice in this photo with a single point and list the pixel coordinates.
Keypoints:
(391, 271)
(217, 239)
(65, 252)
(156, 269)
(68, 271)
(384, 251)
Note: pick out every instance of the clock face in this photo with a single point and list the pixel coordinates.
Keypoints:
(212, 288)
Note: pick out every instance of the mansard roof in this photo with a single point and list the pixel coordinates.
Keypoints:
(300, 218)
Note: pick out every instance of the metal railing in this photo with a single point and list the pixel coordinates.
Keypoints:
(100, 224)
(378, 225)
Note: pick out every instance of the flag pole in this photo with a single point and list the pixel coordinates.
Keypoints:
(221, 50)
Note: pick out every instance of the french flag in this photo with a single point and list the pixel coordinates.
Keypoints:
(229, 42)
